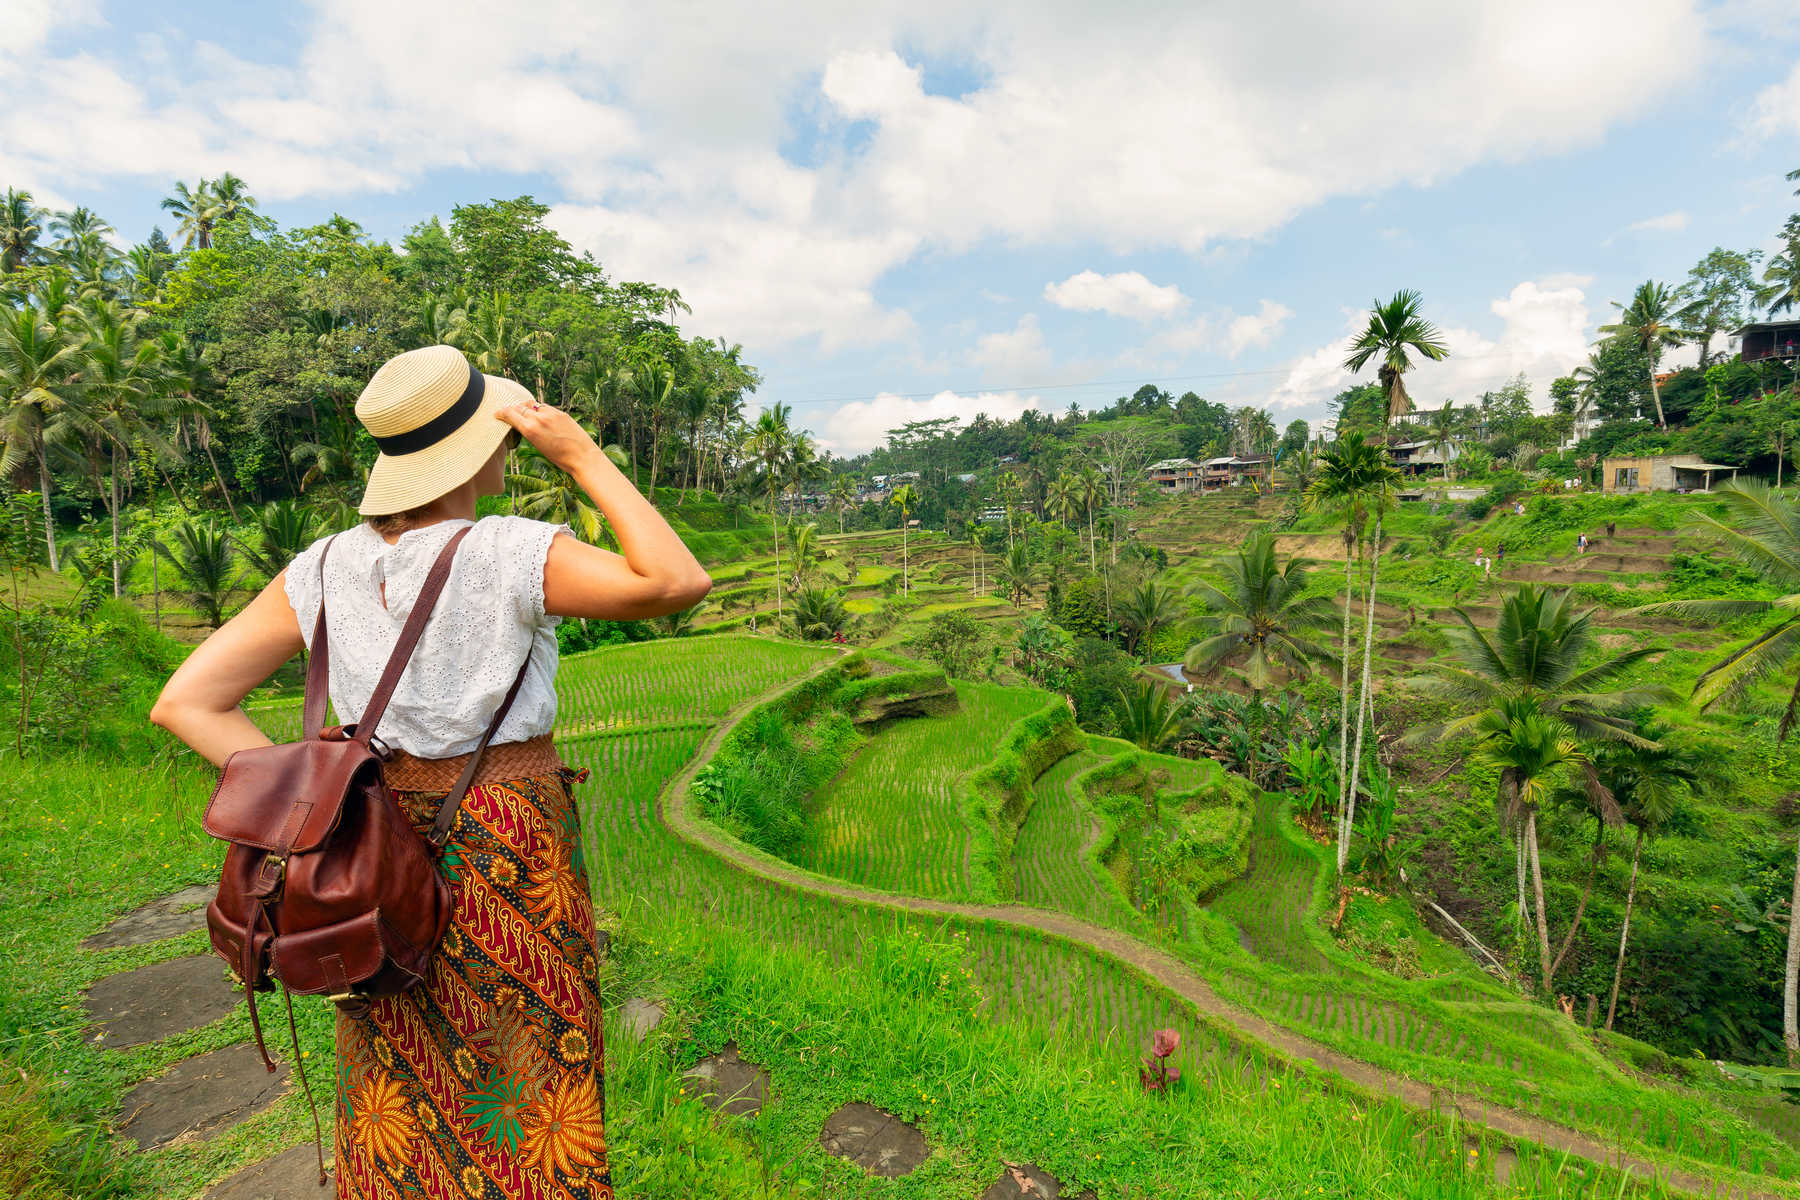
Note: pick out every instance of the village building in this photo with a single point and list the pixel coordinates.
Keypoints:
(1661, 473)
(1413, 457)
(1175, 475)
(1768, 339)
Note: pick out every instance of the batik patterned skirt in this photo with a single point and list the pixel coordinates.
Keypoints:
(487, 1081)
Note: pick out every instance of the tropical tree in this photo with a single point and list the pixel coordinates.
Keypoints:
(1394, 333)
(771, 445)
(681, 622)
(283, 530)
(231, 198)
(38, 355)
(1016, 572)
(803, 547)
(543, 491)
(197, 210)
(1143, 610)
(1092, 491)
(1010, 490)
(1147, 717)
(905, 498)
(843, 493)
(1062, 498)
(1259, 618)
(1780, 290)
(1648, 783)
(1762, 532)
(1531, 664)
(21, 225)
(1443, 428)
(819, 612)
(206, 565)
(972, 531)
(1651, 322)
(1352, 474)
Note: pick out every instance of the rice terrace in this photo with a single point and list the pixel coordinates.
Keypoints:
(1084, 701)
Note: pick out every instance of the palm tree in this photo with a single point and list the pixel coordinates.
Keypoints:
(38, 354)
(1781, 278)
(1147, 718)
(1010, 489)
(198, 211)
(819, 612)
(905, 498)
(206, 564)
(772, 445)
(1092, 492)
(1394, 331)
(1443, 429)
(1648, 784)
(972, 531)
(231, 197)
(681, 622)
(843, 491)
(21, 225)
(1258, 618)
(1763, 534)
(804, 546)
(121, 405)
(1532, 663)
(283, 530)
(1017, 573)
(543, 491)
(1650, 321)
(1145, 609)
(1062, 498)
(1532, 749)
(442, 322)
(1350, 472)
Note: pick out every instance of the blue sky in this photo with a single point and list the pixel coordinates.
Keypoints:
(935, 209)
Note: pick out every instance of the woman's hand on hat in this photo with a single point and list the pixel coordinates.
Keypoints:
(556, 435)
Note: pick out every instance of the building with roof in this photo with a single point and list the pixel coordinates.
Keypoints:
(1768, 339)
(1229, 470)
(1174, 475)
(1413, 457)
(1662, 473)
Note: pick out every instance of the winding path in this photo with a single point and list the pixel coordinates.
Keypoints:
(676, 810)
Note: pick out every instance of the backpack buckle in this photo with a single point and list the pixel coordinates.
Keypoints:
(269, 882)
(382, 750)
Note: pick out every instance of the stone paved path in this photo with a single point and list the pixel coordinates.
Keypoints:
(178, 913)
(290, 1175)
(160, 1000)
(200, 1096)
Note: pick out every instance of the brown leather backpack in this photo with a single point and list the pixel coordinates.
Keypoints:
(326, 886)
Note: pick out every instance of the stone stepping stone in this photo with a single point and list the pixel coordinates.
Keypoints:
(1026, 1181)
(731, 1085)
(176, 913)
(877, 1141)
(154, 1002)
(200, 1096)
(641, 1016)
(290, 1175)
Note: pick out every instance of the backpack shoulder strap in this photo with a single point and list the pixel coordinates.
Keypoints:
(318, 666)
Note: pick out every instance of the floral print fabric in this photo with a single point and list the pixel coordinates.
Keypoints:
(488, 1081)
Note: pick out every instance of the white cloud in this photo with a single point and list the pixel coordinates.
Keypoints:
(1545, 333)
(664, 136)
(1014, 354)
(1256, 329)
(863, 424)
(1776, 110)
(1125, 294)
(1669, 222)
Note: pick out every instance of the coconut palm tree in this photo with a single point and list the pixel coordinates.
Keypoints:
(39, 353)
(231, 197)
(843, 493)
(206, 564)
(1062, 498)
(972, 531)
(1532, 663)
(1258, 618)
(819, 612)
(543, 491)
(1442, 429)
(803, 545)
(197, 210)
(1092, 491)
(1652, 321)
(1781, 278)
(1016, 572)
(283, 529)
(1147, 718)
(905, 498)
(1762, 532)
(1350, 473)
(1148, 607)
(21, 225)
(1010, 490)
(771, 446)
(122, 405)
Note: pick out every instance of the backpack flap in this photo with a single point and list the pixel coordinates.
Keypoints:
(286, 798)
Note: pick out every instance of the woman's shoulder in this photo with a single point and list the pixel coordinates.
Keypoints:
(511, 529)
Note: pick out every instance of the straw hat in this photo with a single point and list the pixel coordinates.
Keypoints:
(432, 414)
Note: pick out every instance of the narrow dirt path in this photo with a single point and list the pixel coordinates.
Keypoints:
(675, 808)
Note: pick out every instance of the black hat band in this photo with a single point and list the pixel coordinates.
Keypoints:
(441, 426)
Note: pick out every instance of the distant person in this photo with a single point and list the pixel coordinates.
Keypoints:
(1612, 528)
(1518, 508)
(1480, 553)
(1500, 553)
(1581, 543)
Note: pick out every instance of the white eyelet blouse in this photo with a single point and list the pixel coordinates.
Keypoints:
(489, 615)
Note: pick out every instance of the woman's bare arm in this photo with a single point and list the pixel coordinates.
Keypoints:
(200, 702)
(654, 574)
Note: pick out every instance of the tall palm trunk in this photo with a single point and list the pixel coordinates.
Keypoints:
(1587, 891)
(1343, 757)
(775, 528)
(1790, 1031)
(1656, 395)
(118, 586)
(1612, 1004)
(1537, 888)
(905, 563)
(1348, 806)
(1090, 517)
(44, 490)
